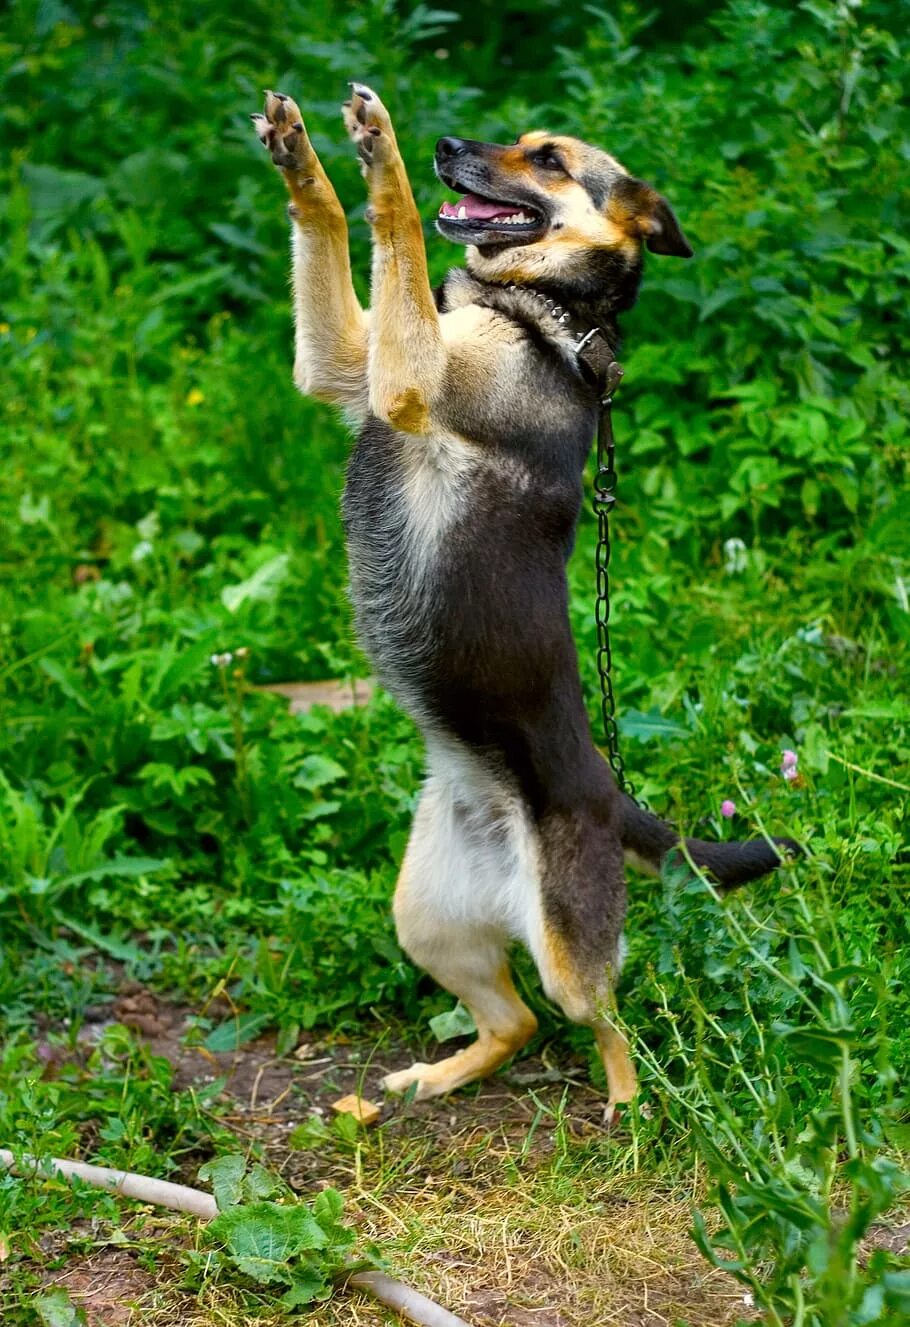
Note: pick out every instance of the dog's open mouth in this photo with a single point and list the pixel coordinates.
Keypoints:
(474, 208)
(477, 220)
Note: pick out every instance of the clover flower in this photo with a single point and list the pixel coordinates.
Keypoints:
(736, 556)
(788, 765)
(727, 808)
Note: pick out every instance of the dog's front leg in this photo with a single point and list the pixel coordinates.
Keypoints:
(330, 360)
(406, 352)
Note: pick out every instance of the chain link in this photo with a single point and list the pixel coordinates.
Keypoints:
(604, 498)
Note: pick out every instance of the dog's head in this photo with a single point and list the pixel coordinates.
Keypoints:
(540, 209)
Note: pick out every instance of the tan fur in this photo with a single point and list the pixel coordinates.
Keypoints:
(468, 959)
(591, 1005)
(622, 1083)
(580, 226)
(330, 326)
(406, 356)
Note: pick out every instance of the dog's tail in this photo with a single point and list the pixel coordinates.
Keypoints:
(649, 839)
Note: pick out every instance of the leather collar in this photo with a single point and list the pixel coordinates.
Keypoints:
(593, 350)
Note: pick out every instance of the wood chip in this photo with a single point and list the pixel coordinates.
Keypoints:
(365, 1112)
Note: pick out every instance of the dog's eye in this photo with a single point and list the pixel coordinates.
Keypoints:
(548, 160)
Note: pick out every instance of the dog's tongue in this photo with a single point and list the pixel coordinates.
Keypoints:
(476, 209)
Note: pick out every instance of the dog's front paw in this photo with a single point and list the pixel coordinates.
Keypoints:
(370, 127)
(281, 130)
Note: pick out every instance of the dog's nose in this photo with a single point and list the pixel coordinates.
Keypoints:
(447, 148)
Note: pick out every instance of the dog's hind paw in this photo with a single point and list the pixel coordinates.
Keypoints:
(281, 131)
(399, 1082)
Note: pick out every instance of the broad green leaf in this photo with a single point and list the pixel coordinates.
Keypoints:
(262, 585)
(328, 1209)
(118, 868)
(236, 1032)
(897, 1290)
(820, 1046)
(328, 1206)
(316, 770)
(56, 194)
(236, 238)
(307, 1288)
(56, 1309)
(125, 951)
(225, 1174)
(456, 1022)
(262, 1238)
(650, 727)
(260, 1183)
(309, 1134)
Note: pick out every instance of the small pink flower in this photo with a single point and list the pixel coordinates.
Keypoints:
(790, 774)
(727, 808)
(788, 760)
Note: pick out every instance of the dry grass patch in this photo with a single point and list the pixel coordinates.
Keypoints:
(511, 1255)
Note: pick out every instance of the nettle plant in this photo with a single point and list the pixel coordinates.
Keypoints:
(775, 1058)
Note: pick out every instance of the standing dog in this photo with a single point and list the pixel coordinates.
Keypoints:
(476, 409)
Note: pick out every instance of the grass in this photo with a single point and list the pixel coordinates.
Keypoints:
(531, 1211)
(166, 825)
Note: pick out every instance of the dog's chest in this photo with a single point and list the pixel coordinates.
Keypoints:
(404, 498)
(403, 495)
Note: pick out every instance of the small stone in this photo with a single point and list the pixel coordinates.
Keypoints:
(364, 1112)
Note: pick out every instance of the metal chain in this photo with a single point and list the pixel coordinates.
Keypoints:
(604, 497)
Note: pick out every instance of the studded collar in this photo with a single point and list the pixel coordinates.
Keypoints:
(592, 347)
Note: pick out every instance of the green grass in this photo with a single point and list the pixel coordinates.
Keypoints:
(168, 496)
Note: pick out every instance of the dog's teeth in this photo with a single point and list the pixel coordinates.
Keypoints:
(462, 213)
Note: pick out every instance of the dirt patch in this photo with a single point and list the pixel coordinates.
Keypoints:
(108, 1285)
(337, 695)
(895, 1239)
(269, 1094)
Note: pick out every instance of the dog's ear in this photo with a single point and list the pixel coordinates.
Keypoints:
(651, 218)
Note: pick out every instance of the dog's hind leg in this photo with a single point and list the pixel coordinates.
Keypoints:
(474, 967)
(330, 359)
(407, 356)
(450, 868)
(578, 943)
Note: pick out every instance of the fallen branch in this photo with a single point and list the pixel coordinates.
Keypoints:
(404, 1299)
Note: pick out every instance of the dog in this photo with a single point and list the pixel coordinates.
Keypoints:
(476, 408)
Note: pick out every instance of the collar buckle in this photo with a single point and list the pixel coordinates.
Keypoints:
(609, 375)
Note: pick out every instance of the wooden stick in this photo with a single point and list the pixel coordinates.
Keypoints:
(404, 1299)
